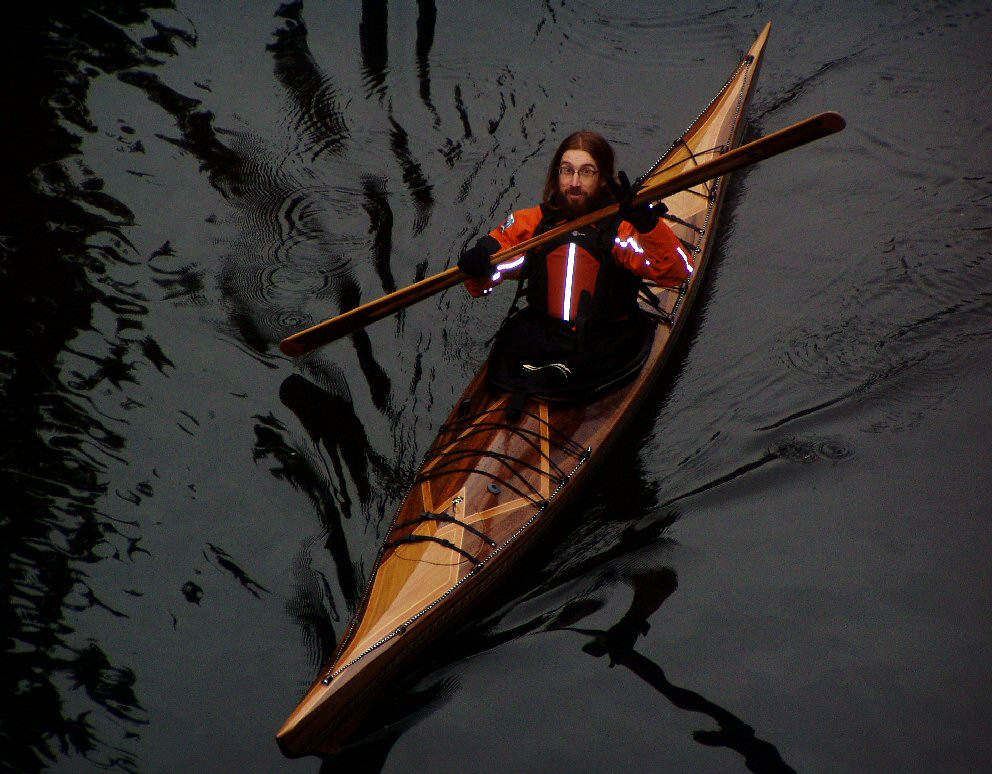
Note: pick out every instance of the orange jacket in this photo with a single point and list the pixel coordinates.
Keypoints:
(658, 255)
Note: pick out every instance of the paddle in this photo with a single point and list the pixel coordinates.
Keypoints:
(806, 131)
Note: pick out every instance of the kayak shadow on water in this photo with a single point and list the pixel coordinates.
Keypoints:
(407, 703)
(651, 589)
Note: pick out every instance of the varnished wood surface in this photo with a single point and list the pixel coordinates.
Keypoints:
(498, 481)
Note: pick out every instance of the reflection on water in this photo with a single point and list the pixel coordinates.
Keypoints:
(347, 463)
(314, 111)
(651, 589)
(85, 336)
(164, 219)
(651, 586)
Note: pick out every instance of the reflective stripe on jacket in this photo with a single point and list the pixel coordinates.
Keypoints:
(657, 256)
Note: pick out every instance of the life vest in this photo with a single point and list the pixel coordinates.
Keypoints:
(576, 280)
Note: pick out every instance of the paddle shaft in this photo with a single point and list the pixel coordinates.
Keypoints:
(806, 131)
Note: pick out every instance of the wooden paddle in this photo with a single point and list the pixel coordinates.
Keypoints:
(806, 131)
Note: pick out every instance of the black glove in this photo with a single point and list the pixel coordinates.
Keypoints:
(643, 218)
(475, 261)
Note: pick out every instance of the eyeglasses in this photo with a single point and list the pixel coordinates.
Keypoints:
(586, 173)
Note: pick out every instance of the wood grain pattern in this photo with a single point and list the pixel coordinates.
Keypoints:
(492, 482)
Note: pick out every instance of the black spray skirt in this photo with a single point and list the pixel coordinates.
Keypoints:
(535, 354)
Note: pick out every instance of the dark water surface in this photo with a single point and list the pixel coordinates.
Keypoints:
(795, 539)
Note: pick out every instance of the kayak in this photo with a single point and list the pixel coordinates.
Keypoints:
(500, 473)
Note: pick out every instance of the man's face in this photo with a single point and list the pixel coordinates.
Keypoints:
(579, 180)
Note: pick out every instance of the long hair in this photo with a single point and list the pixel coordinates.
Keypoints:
(592, 143)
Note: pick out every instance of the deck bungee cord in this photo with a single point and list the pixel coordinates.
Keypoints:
(333, 673)
(444, 459)
(417, 538)
(447, 518)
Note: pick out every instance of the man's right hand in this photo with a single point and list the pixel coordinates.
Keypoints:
(476, 261)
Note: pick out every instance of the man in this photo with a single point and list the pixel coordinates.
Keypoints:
(582, 330)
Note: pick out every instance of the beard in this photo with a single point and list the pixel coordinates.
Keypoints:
(574, 202)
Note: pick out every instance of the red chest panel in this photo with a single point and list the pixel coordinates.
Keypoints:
(572, 271)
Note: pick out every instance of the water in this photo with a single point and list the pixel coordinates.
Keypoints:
(801, 517)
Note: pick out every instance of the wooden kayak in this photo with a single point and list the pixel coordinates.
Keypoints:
(498, 475)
